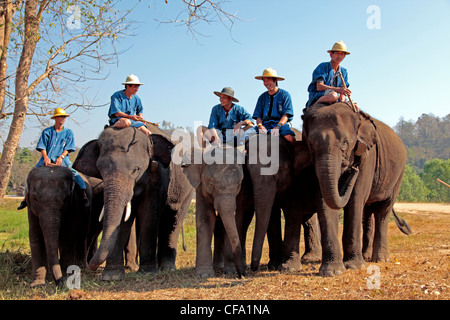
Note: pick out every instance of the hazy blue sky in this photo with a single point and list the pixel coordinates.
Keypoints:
(398, 69)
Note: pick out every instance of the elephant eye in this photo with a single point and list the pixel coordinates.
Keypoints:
(344, 146)
(135, 170)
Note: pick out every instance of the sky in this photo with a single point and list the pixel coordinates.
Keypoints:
(398, 66)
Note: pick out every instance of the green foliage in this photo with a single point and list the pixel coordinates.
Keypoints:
(433, 170)
(412, 189)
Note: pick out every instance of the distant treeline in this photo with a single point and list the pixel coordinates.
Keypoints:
(427, 142)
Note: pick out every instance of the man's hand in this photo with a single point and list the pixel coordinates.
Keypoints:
(275, 131)
(59, 161)
(344, 91)
(47, 161)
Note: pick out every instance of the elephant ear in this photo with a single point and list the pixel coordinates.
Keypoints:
(367, 135)
(302, 158)
(161, 149)
(191, 169)
(86, 161)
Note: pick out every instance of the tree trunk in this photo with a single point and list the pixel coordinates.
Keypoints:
(22, 94)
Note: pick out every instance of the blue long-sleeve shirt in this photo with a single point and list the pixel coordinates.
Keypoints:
(324, 73)
(282, 105)
(55, 143)
(221, 121)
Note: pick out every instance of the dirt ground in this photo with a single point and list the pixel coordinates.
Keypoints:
(418, 270)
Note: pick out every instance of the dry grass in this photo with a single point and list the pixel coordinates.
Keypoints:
(418, 270)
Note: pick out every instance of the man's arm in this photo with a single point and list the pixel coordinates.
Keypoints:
(320, 86)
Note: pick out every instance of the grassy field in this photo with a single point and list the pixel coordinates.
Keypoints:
(418, 269)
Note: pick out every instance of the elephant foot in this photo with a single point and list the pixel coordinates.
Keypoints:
(355, 263)
(112, 275)
(37, 283)
(273, 265)
(150, 269)
(292, 265)
(312, 257)
(204, 272)
(380, 257)
(254, 266)
(133, 266)
(168, 266)
(331, 269)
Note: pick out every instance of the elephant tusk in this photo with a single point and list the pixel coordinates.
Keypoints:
(127, 211)
(100, 218)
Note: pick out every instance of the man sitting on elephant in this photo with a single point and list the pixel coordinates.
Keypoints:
(326, 85)
(274, 110)
(55, 144)
(126, 107)
(226, 121)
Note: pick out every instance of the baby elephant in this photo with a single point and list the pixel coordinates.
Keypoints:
(58, 222)
(216, 175)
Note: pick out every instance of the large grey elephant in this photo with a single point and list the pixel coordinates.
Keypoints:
(217, 185)
(280, 191)
(58, 222)
(136, 169)
(359, 162)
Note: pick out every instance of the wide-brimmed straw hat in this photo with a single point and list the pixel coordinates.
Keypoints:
(269, 73)
(339, 46)
(132, 79)
(227, 91)
(59, 113)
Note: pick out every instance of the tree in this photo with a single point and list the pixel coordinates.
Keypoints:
(412, 188)
(59, 44)
(433, 170)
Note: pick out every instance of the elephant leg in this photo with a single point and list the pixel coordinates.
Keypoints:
(131, 253)
(262, 213)
(351, 238)
(219, 245)
(380, 241)
(38, 255)
(332, 263)
(291, 243)
(243, 219)
(205, 219)
(170, 228)
(228, 259)
(274, 238)
(368, 233)
(311, 234)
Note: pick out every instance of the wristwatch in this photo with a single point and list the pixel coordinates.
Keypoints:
(62, 156)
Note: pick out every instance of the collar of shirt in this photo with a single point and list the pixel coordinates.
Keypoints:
(228, 111)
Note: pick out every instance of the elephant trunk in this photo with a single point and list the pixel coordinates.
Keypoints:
(335, 194)
(115, 201)
(225, 205)
(51, 224)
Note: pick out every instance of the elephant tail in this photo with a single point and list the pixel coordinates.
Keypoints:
(182, 237)
(401, 224)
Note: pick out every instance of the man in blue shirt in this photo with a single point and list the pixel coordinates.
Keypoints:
(274, 110)
(126, 107)
(326, 85)
(226, 121)
(55, 144)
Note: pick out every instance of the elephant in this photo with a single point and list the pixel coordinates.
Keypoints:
(58, 222)
(279, 191)
(136, 169)
(96, 226)
(359, 162)
(217, 185)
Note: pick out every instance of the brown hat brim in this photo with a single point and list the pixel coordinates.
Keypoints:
(217, 93)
